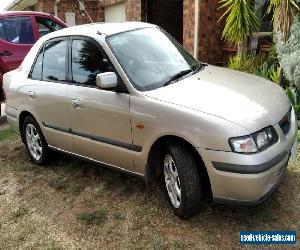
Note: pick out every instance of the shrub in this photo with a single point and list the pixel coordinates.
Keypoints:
(246, 63)
(269, 72)
(293, 95)
(289, 53)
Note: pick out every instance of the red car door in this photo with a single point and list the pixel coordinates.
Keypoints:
(17, 37)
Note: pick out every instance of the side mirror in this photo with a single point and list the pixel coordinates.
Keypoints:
(107, 80)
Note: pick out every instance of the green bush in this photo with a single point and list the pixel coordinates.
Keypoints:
(246, 63)
(289, 53)
(269, 72)
(293, 95)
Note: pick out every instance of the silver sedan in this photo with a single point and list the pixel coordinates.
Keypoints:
(129, 96)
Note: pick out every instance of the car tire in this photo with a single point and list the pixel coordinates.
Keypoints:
(182, 180)
(34, 141)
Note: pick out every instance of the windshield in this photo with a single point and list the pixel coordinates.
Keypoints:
(151, 58)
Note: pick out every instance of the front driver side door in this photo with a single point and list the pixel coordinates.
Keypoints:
(100, 119)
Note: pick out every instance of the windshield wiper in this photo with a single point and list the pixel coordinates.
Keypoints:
(199, 66)
(177, 76)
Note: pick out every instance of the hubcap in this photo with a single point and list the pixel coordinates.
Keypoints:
(172, 181)
(34, 142)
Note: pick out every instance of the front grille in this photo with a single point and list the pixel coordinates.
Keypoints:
(285, 122)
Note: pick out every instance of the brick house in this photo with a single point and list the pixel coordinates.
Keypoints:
(194, 23)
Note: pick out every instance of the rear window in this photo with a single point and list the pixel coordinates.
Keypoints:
(17, 30)
(36, 72)
(2, 31)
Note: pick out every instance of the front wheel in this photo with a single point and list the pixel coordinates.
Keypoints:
(182, 180)
(34, 141)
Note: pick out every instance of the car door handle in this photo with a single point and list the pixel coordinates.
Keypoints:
(5, 53)
(31, 95)
(77, 104)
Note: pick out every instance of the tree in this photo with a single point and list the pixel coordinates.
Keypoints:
(283, 13)
(241, 21)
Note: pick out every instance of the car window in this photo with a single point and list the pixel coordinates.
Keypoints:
(88, 61)
(54, 61)
(2, 31)
(36, 72)
(47, 25)
(18, 30)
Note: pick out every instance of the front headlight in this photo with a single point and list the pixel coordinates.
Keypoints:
(254, 143)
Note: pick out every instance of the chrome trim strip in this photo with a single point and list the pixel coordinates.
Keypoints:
(97, 162)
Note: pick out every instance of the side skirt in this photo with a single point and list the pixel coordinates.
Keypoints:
(98, 162)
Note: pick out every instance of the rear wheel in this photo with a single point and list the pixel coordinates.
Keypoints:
(182, 180)
(34, 141)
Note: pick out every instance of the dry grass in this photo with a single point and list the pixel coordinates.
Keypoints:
(73, 204)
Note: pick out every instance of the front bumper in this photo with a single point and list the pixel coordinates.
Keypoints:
(248, 179)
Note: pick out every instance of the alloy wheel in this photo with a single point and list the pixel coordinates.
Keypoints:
(33, 141)
(172, 181)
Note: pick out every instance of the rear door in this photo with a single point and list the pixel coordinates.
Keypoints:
(16, 39)
(47, 93)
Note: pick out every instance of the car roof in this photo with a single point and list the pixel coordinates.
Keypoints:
(103, 28)
(23, 13)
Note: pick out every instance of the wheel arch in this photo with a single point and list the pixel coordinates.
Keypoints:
(154, 169)
(22, 117)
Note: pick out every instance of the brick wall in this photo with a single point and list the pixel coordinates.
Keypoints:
(92, 7)
(133, 10)
(210, 32)
(188, 25)
(45, 6)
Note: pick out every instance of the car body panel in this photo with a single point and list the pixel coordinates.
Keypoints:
(52, 108)
(227, 186)
(119, 129)
(102, 115)
(217, 90)
(199, 129)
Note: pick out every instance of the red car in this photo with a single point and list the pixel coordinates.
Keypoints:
(19, 30)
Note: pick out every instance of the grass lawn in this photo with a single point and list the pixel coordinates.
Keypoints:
(74, 204)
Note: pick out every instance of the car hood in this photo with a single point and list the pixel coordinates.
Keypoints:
(242, 98)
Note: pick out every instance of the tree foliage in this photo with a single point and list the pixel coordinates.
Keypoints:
(283, 12)
(241, 21)
(289, 52)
